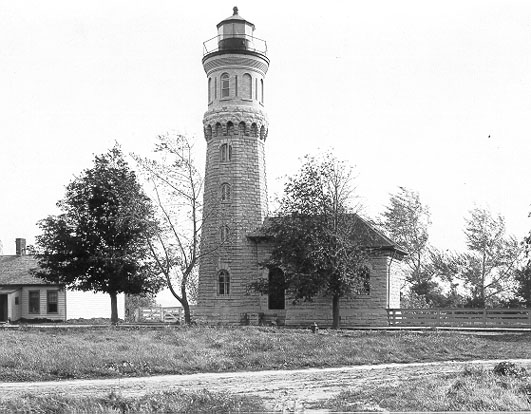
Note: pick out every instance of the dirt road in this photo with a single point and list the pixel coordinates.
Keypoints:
(282, 390)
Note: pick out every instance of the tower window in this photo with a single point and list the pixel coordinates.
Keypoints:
(242, 127)
(262, 90)
(223, 282)
(230, 128)
(225, 152)
(254, 130)
(225, 85)
(247, 86)
(256, 89)
(218, 130)
(215, 88)
(262, 133)
(208, 132)
(224, 233)
(225, 192)
(236, 85)
(209, 90)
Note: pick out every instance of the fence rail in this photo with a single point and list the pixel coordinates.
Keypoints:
(516, 318)
(159, 314)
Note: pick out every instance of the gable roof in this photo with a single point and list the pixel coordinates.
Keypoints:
(370, 237)
(16, 270)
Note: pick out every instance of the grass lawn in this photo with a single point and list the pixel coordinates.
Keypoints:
(50, 354)
(470, 390)
(161, 402)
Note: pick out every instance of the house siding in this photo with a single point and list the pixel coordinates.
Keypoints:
(43, 314)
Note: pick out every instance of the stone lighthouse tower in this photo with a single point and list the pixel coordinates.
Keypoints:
(235, 196)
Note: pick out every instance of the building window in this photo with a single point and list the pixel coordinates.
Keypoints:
(236, 85)
(34, 301)
(225, 192)
(225, 85)
(219, 130)
(223, 282)
(254, 130)
(225, 152)
(262, 90)
(230, 128)
(51, 301)
(365, 282)
(215, 88)
(276, 289)
(16, 300)
(209, 90)
(224, 234)
(256, 89)
(247, 86)
(242, 128)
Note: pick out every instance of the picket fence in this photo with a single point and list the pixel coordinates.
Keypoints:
(459, 317)
(159, 314)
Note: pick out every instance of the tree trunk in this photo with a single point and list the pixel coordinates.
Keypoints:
(187, 316)
(335, 312)
(114, 308)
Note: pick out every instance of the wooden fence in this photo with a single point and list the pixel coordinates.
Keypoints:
(509, 318)
(159, 314)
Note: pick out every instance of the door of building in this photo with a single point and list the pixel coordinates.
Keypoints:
(3, 308)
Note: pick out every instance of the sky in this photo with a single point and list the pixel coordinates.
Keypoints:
(434, 96)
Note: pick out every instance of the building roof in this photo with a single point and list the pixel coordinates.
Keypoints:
(370, 237)
(235, 18)
(16, 270)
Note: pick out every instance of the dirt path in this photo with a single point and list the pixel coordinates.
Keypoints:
(282, 390)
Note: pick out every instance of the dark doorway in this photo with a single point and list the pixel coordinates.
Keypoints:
(3, 308)
(277, 296)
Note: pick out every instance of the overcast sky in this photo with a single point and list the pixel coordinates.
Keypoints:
(407, 91)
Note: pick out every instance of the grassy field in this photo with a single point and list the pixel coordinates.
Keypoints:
(471, 390)
(40, 355)
(161, 402)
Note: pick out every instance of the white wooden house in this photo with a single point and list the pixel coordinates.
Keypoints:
(24, 296)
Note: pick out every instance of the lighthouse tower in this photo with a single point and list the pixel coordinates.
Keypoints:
(235, 191)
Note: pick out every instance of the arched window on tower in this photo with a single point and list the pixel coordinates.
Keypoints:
(219, 130)
(209, 90)
(225, 152)
(208, 132)
(247, 86)
(225, 192)
(262, 133)
(230, 128)
(254, 130)
(224, 234)
(242, 128)
(223, 282)
(262, 90)
(225, 85)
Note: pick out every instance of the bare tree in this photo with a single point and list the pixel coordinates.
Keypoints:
(177, 192)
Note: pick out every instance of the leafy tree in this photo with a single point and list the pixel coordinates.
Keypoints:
(100, 241)
(406, 221)
(178, 191)
(490, 262)
(314, 236)
(523, 285)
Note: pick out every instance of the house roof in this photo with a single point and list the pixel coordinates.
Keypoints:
(370, 237)
(16, 270)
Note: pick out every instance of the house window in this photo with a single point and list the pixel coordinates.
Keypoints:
(34, 301)
(225, 88)
(224, 233)
(16, 300)
(225, 152)
(51, 301)
(225, 192)
(365, 282)
(223, 282)
(276, 289)
(247, 86)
